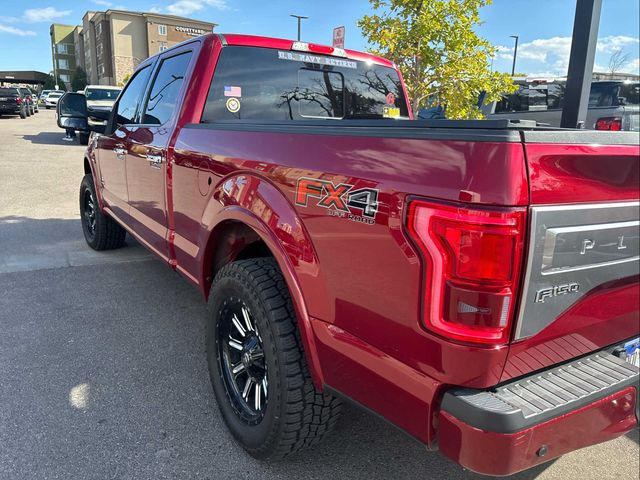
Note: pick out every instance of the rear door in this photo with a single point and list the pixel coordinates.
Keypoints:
(581, 290)
(147, 150)
(112, 149)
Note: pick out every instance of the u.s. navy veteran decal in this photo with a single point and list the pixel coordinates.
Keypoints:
(308, 58)
(340, 200)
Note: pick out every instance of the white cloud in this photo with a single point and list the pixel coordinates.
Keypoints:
(615, 42)
(186, 7)
(46, 14)
(632, 67)
(16, 31)
(553, 53)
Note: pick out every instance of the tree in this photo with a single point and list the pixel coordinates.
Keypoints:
(78, 80)
(50, 83)
(124, 81)
(442, 59)
(617, 60)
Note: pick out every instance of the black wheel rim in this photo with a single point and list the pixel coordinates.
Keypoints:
(241, 361)
(89, 213)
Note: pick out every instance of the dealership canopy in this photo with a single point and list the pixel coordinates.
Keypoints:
(29, 76)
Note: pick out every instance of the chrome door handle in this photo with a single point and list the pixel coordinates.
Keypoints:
(120, 151)
(154, 160)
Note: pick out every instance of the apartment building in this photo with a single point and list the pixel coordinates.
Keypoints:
(109, 45)
(63, 51)
(115, 41)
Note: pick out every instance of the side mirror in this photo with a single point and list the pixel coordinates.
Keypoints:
(72, 112)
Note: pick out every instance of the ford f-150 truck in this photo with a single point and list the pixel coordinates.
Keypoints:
(473, 282)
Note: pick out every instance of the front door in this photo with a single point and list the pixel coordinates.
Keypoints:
(113, 148)
(147, 152)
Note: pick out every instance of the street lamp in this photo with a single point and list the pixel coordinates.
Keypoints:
(299, 17)
(515, 53)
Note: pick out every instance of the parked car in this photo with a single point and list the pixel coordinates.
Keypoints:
(43, 96)
(473, 282)
(30, 97)
(12, 102)
(51, 101)
(613, 105)
(99, 97)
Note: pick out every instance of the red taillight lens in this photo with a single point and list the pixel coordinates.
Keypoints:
(473, 259)
(609, 123)
(18, 100)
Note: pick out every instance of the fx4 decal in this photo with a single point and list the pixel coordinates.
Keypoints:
(340, 200)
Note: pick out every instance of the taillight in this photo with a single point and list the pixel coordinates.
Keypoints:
(321, 49)
(473, 259)
(18, 100)
(609, 123)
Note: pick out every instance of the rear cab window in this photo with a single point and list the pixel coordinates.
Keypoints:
(253, 83)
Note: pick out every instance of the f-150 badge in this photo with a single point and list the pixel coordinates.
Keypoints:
(555, 291)
(340, 200)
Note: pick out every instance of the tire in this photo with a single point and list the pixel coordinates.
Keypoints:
(83, 138)
(23, 113)
(293, 415)
(100, 231)
(27, 111)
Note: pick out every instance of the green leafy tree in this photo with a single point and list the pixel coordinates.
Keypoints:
(78, 80)
(124, 81)
(49, 83)
(441, 57)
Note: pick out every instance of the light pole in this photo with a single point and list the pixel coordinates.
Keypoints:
(55, 71)
(515, 54)
(299, 17)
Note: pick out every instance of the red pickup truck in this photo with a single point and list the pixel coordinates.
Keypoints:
(473, 282)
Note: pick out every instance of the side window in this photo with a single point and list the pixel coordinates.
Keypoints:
(131, 97)
(165, 89)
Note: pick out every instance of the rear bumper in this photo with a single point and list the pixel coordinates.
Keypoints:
(535, 419)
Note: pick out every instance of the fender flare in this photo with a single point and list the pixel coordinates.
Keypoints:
(259, 205)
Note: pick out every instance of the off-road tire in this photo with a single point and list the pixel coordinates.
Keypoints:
(296, 415)
(107, 234)
(23, 114)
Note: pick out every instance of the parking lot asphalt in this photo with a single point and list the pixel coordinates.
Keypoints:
(102, 364)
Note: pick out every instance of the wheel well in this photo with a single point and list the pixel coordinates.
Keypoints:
(231, 241)
(87, 167)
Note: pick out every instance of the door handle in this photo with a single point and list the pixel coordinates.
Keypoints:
(154, 160)
(120, 151)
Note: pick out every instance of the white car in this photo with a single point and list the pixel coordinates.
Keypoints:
(101, 95)
(51, 101)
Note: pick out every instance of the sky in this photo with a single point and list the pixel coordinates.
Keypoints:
(543, 26)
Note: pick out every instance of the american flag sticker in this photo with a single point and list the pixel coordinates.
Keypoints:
(231, 91)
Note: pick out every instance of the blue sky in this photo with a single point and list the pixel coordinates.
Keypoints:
(544, 27)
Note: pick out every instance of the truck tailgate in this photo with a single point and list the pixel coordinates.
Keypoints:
(580, 289)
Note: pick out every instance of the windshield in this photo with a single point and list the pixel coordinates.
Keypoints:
(267, 84)
(8, 91)
(102, 94)
(55, 95)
